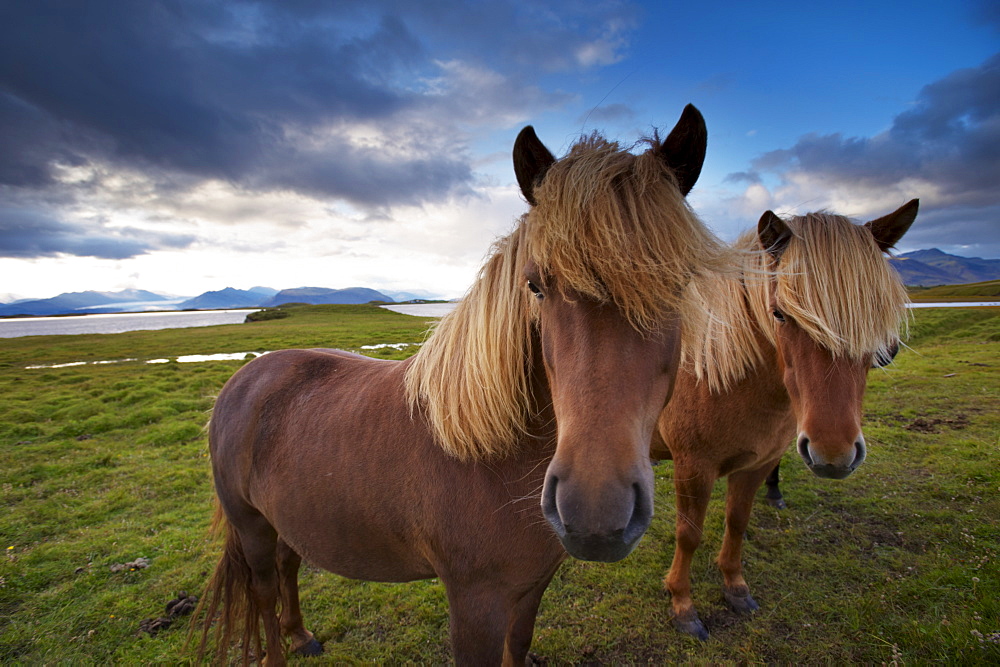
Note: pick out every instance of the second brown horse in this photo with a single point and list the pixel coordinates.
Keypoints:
(783, 358)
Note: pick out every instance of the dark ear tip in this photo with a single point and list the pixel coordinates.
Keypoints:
(527, 132)
(693, 118)
(691, 110)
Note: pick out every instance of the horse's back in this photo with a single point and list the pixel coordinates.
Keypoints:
(257, 403)
(271, 384)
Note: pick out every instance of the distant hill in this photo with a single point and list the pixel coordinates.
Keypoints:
(228, 298)
(317, 295)
(934, 267)
(82, 302)
(133, 300)
(414, 295)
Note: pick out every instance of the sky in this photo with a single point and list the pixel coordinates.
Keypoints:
(182, 146)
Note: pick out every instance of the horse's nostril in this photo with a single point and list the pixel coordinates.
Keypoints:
(804, 450)
(641, 513)
(860, 452)
(550, 507)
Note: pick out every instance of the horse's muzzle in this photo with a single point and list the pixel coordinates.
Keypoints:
(600, 526)
(829, 466)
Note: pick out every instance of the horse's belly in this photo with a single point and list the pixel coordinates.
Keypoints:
(367, 562)
(348, 530)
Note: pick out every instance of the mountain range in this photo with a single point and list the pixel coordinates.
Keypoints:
(920, 267)
(934, 267)
(79, 303)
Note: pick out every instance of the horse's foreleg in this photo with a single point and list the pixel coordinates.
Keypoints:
(773, 496)
(521, 623)
(742, 487)
(693, 491)
(302, 641)
(478, 624)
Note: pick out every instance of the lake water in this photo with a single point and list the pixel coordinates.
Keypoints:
(117, 322)
(423, 309)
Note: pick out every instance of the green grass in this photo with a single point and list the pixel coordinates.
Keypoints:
(104, 464)
(987, 290)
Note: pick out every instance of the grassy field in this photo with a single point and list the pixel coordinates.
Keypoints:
(984, 291)
(105, 464)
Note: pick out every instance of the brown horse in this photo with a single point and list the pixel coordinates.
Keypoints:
(519, 432)
(784, 356)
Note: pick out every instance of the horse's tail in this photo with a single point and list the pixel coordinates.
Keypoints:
(229, 602)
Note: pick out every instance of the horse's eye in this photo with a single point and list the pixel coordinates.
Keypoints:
(778, 315)
(534, 290)
(885, 357)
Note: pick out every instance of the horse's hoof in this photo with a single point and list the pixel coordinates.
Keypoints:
(741, 602)
(691, 625)
(310, 649)
(777, 503)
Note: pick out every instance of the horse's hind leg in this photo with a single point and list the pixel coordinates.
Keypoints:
(302, 640)
(742, 488)
(773, 495)
(259, 541)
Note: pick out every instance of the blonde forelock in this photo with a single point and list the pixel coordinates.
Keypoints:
(613, 226)
(832, 280)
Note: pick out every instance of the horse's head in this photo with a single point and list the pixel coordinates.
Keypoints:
(837, 308)
(610, 244)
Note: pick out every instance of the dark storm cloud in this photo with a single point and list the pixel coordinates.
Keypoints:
(951, 138)
(948, 143)
(30, 233)
(196, 87)
(213, 88)
(254, 93)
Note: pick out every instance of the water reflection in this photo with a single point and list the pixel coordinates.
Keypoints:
(199, 358)
(183, 359)
(394, 346)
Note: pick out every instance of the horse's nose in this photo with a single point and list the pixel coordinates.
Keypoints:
(837, 464)
(603, 523)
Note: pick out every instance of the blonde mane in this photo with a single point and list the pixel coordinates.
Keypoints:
(608, 224)
(832, 280)
(471, 378)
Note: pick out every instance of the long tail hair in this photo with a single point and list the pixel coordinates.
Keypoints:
(230, 606)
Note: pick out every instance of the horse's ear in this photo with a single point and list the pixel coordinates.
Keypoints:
(773, 234)
(684, 148)
(531, 160)
(888, 229)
